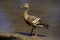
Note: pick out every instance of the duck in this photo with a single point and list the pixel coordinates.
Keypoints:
(32, 20)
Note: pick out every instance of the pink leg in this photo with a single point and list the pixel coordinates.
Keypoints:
(36, 32)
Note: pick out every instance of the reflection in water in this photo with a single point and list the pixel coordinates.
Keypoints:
(4, 23)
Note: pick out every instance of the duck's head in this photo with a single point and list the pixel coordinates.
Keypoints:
(26, 5)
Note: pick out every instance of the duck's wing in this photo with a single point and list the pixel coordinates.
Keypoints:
(34, 19)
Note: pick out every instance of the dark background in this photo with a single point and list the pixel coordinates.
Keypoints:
(12, 20)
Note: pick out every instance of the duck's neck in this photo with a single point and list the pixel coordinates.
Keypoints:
(26, 13)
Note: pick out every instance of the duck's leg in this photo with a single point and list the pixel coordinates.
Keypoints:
(31, 31)
(36, 33)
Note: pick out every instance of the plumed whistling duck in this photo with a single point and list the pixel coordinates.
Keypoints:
(34, 21)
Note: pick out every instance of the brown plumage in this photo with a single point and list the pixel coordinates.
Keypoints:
(32, 20)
